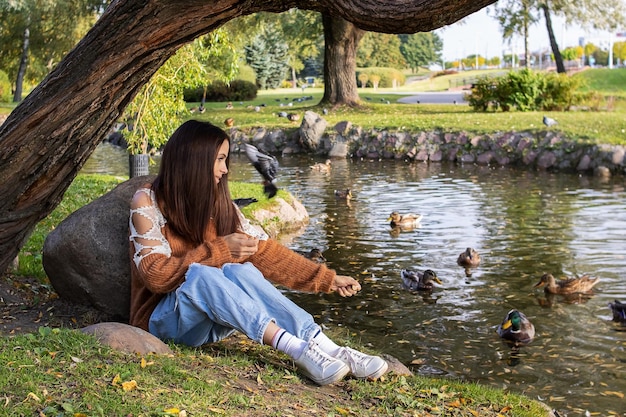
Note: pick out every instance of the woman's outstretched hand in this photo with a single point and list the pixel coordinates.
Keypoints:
(241, 245)
(345, 286)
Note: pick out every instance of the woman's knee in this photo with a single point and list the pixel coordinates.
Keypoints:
(199, 277)
(242, 272)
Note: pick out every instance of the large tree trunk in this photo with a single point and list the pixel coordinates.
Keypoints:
(341, 39)
(19, 80)
(46, 140)
(558, 59)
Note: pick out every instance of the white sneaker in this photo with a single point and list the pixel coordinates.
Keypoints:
(322, 368)
(362, 365)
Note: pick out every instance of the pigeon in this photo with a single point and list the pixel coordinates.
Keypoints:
(549, 121)
(282, 114)
(293, 117)
(266, 165)
(242, 202)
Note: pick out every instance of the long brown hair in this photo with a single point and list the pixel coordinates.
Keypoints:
(185, 187)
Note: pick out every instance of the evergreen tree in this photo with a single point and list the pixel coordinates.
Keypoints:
(268, 55)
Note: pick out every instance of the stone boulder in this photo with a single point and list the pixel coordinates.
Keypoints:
(126, 338)
(86, 255)
(311, 130)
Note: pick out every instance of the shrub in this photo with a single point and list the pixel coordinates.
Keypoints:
(444, 72)
(387, 76)
(237, 90)
(483, 94)
(525, 90)
(5, 87)
(562, 92)
(246, 73)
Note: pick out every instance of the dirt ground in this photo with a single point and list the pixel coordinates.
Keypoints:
(26, 305)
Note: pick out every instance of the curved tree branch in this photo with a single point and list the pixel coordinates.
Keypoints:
(47, 139)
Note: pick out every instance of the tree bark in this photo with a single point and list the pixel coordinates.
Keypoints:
(47, 139)
(341, 39)
(558, 59)
(19, 80)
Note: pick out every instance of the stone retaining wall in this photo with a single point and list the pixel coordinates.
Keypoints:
(545, 150)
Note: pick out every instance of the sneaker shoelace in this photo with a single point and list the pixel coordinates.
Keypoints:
(318, 357)
(354, 358)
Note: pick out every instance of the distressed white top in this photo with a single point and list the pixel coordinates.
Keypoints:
(159, 243)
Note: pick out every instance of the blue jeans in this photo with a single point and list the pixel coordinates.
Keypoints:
(214, 302)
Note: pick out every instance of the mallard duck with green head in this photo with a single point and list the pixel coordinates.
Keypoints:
(516, 329)
(577, 285)
(419, 281)
(409, 220)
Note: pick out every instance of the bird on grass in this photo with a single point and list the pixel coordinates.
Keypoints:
(516, 329)
(314, 254)
(229, 122)
(619, 311)
(409, 220)
(577, 285)
(548, 121)
(419, 281)
(243, 202)
(470, 258)
(293, 117)
(325, 167)
(266, 165)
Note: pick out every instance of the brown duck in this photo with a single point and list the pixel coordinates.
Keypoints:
(469, 258)
(419, 281)
(408, 220)
(576, 285)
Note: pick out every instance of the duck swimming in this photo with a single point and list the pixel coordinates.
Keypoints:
(419, 281)
(580, 285)
(314, 254)
(325, 167)
(469, 258)
(408, 220)
(343, 194)
(619, 311)
(516, 329)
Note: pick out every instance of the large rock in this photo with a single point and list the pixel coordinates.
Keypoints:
(311, 130)
(126, 338)
(86, 255)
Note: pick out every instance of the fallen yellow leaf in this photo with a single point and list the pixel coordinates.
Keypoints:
(116, 380)
(129, 385)
(32, 396)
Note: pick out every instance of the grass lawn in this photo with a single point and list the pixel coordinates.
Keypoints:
(605, 126)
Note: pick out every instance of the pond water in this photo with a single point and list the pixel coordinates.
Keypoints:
(522, 223)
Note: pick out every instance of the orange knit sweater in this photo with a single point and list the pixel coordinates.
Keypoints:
(159, 274)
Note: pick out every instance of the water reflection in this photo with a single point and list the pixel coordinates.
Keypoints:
(522, 223)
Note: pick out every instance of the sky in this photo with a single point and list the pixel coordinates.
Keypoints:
(480, 34)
